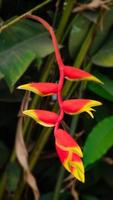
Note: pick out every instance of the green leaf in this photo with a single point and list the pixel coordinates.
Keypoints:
(78, 33)
(104, 57)
(103, 90)
(13, 176)
(20, 45)
(98, 141)
(102, 32)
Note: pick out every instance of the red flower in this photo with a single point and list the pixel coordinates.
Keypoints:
(69, 153)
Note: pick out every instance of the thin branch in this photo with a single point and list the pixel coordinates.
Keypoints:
(5, 26)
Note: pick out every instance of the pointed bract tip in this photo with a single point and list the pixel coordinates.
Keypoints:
(79, 172)
(95, 79)
(23, 87)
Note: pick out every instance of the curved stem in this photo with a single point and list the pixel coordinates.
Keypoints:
(60, 65)
(60, 86)
(54, 40)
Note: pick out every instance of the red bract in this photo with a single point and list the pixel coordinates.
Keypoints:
(69, 153)
(76, 106)
(74, 74)
(42, 89)
(68, 150)
(43, 117)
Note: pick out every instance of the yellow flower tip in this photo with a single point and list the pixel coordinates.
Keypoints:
(92, 103)
(93, 78)
(78, 172)
(90, 113)
(88, 107)
(32, 114)
(29, 113)
(23, 87)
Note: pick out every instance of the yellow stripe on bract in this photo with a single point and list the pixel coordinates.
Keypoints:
(45, 124)
(33, 115)
(79, 171)
(75, 149)
(89, 78)
(67, 161)
(30, 88)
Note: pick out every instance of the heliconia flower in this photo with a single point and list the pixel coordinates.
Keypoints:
(69, 153)
(43, 117)
(42, 89)
(73, 74)
(76, 106)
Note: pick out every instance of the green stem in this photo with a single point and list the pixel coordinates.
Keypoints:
(23, 15)
(59, 183)
(65, 17)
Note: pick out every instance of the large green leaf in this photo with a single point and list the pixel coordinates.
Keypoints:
(99, 141)
(104, 90)
(20, 45)
(78, 33)
(104, 57)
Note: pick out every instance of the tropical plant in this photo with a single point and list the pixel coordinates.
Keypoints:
(84, 34)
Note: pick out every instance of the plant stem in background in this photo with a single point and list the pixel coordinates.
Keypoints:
(23, 15)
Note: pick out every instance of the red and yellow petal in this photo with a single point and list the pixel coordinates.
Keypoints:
(77, 106)
(74, 74)
(43, 117)
(66, 142)
(42, 89)
(69, 157)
